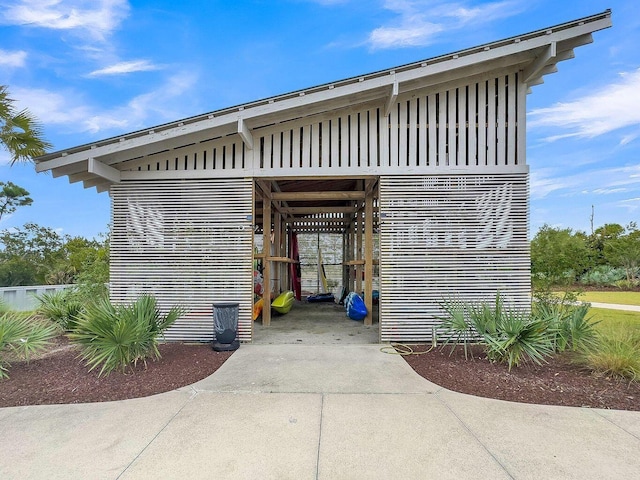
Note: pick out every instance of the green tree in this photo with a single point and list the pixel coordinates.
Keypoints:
(20, 133)
(35, 255)
(558, 255)
(29, 254)
(624, 251)
(600, 237)
(12, 196)
(93, 273)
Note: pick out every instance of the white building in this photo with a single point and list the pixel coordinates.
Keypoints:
(432, 155)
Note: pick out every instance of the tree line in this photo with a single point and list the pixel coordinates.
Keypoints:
(610, 256)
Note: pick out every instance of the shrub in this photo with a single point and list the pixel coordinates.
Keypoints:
(602, 275)
(22, 335)
(508, 335)
(617, 355)
(573, 329)
(626, 284)
(61, 307)
(520, 338)
(454, 325)
(117, 336)
(577, 331)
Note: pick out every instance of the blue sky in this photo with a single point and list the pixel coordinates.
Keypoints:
(93, 69)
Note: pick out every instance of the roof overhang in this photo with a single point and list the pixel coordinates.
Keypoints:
(535, 54)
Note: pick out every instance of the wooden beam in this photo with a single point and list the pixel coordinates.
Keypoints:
(359, 269)
(368, 252)
(80, 177)
(276, 188)
(311, 196)
(277, 244)
(245, 134)
(314, 210)
(533, 70)
(265, 188)
(370, 186)
(320, 220)
(359, 262)
(266, 263)
(393, 96)
(102, 170)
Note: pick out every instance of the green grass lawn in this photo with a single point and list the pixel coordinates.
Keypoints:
(624, 298)
(615, 320)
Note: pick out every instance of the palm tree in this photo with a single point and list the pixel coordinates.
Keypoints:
(20, 132)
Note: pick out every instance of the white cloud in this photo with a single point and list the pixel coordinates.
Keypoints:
(123, 68)
(631, 204)
(410, 34)
(607, 109)
(609, 181)
(420, 21)
(70, 111)
(607, 191)
(12, 59)
(543, 182)
(97, 18)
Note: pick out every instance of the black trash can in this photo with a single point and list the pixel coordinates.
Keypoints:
(225, 327)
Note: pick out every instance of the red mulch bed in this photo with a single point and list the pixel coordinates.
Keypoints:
(60, 377)
(558, 382)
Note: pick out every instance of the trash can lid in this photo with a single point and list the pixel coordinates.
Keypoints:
(225, 305)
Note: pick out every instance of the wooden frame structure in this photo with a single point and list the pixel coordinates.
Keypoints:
(430, 155)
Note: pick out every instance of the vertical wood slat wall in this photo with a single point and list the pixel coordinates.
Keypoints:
(445, 237)
(187, 242)
(471, 125)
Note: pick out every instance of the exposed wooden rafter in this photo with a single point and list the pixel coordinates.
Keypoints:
(534, 69)
(393, 96)
(307, 196)
(245, 134)
(104, 171)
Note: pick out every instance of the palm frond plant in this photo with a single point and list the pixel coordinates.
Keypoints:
(578, 329)
(114, 337)
(20, 133)
(486, 318)
(520, 338)
(454, 325)
(61, 307)
(21, 336)
(568, 319)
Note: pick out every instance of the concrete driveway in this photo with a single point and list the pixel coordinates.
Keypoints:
(316, 412)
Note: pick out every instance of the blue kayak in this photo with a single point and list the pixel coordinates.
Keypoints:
(355, 307)
(321, 297)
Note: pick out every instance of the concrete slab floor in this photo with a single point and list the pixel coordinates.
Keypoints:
(316, 324)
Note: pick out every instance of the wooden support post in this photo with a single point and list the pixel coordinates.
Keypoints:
(277, 232)
(345, 269)
(351, 256)
(358, 250)
(284, 267)
(345, 256)
(368, 255)
(266, 250)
